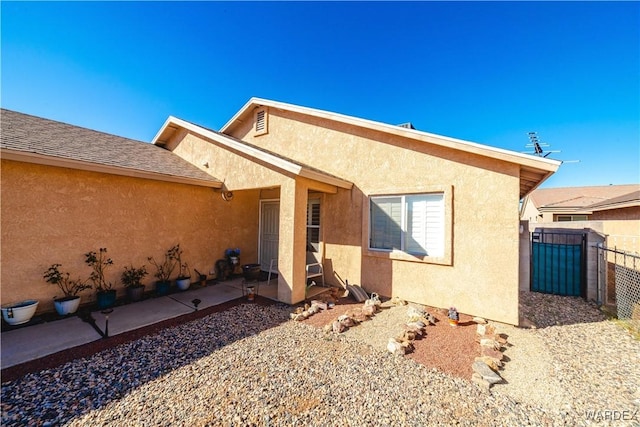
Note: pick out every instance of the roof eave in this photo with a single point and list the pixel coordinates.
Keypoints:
(566, 210)
(48, 160)
(468, 146)
(621, 205)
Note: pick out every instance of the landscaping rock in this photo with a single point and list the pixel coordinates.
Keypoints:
(490, 343)
(395, 347)
(486, 372)
(476, 378)
(485, 329)
(492, 353)
(494, 364)
(480, 320)
(416, 312)
(338, 327)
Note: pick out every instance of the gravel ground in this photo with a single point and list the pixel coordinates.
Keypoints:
(249, 365)
(571, 360)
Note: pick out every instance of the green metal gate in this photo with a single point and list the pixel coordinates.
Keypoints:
(558, 263)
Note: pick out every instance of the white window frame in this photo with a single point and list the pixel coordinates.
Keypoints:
(310, 224)
(437, 244)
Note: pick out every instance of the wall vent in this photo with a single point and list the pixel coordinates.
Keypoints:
(262, 121)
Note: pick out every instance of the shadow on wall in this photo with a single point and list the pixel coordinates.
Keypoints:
(344, 228)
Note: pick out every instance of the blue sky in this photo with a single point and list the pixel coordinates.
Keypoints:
(487, 72)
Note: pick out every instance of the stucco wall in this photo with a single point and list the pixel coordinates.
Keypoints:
(629, 213)
(239, 171)
(55, 215)
(481, 276)
(234, 169)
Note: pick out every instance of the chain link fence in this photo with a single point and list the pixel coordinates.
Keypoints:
(619, 272)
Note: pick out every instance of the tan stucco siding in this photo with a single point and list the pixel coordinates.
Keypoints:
(235, 170)
(481, 276)
(622, 234)
(529, 211)
(55, 215)
(630, 213)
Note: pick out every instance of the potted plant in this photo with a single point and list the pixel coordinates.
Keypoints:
(233, 258)
(202, 278)
(132, 281)
(183, 281)
(70, 302)
(454, 317)
(18, 313)
(164, 270)
(99, 262)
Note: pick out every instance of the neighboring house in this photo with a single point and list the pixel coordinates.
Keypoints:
(596, 203)
(427, 218)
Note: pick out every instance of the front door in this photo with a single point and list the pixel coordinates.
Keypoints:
(269, 232)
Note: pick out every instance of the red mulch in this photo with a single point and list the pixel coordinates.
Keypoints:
(446, 348)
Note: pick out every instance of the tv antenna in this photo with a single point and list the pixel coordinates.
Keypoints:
(540, 148)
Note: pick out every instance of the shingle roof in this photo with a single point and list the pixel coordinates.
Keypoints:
(30, 134)
(633, 196)
(584, 197)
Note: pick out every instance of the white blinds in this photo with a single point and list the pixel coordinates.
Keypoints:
(412, 223)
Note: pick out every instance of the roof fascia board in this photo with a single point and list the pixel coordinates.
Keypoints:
(319, 176)
(261, 155)
(162, 129)
(566, 210)
(40, 159)
(448, 142)
(620, 205)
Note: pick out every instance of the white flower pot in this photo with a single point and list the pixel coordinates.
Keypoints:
(183, 284)
(66, 305)
(19, 312)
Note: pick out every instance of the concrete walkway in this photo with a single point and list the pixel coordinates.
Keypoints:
(32, 342)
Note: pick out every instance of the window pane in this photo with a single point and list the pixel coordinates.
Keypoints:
(313, 226)
(386, 221)
(313, 239)
(435, 224)
(416, 237)
(313, 212)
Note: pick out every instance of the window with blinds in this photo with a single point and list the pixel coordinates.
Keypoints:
(313, 226)
(409, 223)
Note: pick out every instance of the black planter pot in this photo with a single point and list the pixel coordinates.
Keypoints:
(135, 293)
(251, 271)
(163, 287)
(106, 299)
